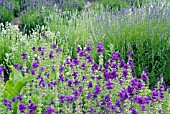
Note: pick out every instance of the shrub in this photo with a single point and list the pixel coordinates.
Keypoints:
(110, 4)
(72, 5)
(33, 18)
(5, 15)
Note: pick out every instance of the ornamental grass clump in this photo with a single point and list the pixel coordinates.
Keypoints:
(81, 85)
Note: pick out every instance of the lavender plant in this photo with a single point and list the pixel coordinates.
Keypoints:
(83, 86)
(140, 30)
(5, 15)
(143, 30)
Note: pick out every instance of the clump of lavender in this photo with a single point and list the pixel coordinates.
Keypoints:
(81, 85)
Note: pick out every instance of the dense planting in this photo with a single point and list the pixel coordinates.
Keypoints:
(68, 56)
(81, 85)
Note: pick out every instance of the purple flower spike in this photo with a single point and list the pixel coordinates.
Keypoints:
(90, 85)
(144, 77)
(51, 54)
(107, 98)
(100, 48)
(49, 110)
(129, 52)
(76, 61)
(145, 69)
(33, 48)
(70, 99)
(125, 73)
(161, 76)
(89, 95)
(154, 94)
(24, 55)
(39, 48)
(32, 107)
(70, 82)
(118, 103)
(109, 85)
(62, 98)
(35, 65)
(88, 48)
(79, 49)
(44, 35)
(22, 107)
(62, 68)
(76, 93)
(42, 69)
(33, 72)
(97, 89)
(54, 46)
(91, 111)
(124, 94)
(19, 97)
(133, 111)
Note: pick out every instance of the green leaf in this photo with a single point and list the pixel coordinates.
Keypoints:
(9, 84)
(15, 75)
(50, 77)
(6, 94)
(13, 90)
(22, 82)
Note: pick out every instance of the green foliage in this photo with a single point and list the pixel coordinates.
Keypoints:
(5, 15)
(113, 4)
(15, 84)
(16, 7)
(33, 18)
(139, 3)
(166, 102)
(73, 5)
(5, 47)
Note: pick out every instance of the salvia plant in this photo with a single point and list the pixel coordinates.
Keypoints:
(80, 85)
